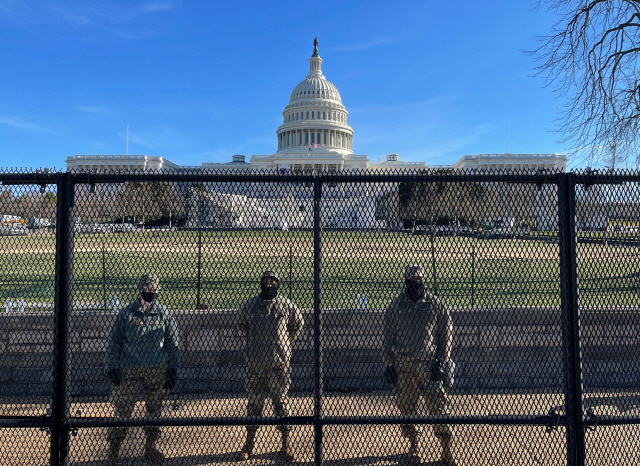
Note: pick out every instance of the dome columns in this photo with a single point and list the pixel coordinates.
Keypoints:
(322, 137)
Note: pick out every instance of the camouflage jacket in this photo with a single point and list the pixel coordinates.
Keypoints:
(269, 327)
(143, 339)
(420, 330)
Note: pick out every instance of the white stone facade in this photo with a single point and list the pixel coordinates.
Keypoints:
(517, 162)
(119, 162)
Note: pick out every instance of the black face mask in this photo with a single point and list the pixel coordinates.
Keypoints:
(149, 296)
(415, 289)
(269, 292)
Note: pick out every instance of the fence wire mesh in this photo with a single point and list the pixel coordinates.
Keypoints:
(314, 318)
(607, 221)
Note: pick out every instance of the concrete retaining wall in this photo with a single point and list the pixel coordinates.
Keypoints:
(510, 348)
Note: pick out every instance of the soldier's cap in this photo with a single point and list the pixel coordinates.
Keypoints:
(413, 270)
(148, 279)
(270, 273)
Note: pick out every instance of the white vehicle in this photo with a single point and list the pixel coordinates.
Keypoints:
(15, 229)
(34, 223)
(123, 228)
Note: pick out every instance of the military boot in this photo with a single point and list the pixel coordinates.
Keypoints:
(247, 449)
(447, 457)
(114, 449)
(151, 453)
(414, 453)
(287, 455)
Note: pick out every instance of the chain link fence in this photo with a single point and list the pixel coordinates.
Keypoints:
(193, 318)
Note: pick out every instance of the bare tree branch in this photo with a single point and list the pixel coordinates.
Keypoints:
(590, 59)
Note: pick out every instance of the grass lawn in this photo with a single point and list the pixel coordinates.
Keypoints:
(222, 268)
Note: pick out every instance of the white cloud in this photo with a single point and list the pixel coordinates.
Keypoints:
(378, 41)
(99, 146)
(104, 15)
(163, 139)
(158, 6)
(92, 109)
(26, 126)
(70, 16)
(425, 130)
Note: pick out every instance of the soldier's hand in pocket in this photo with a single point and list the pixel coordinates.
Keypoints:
(437, 371)
(391, 375)
(114, 376)
(172, 379)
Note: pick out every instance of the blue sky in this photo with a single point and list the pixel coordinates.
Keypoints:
(199, 81)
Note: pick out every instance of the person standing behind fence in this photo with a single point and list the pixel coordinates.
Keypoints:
(416, 354)
(143, 350)
(270, 322)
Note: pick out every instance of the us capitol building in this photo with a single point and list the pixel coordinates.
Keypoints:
(315, 134)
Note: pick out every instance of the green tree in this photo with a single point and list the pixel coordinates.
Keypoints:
(24, 206)
(7, 202)
(443, 202)
(168, 201)
(48, 205)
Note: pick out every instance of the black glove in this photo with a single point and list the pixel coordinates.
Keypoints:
(172, 379)
(390, 375)
(437, 371)
(114, 376)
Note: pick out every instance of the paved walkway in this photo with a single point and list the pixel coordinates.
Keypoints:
(342, 445)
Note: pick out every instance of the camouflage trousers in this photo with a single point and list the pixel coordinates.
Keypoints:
(414, 378)
(278, 379)
(125, 396)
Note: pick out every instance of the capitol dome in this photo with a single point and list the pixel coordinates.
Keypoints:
(315, 88)
(315, 119)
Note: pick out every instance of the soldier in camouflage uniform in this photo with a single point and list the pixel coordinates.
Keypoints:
(270, 322)
(417, 345)
(143, 350)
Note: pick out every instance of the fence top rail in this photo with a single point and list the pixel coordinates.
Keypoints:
(427, 175)
(10, 177)
(597, 176)
(16, 176)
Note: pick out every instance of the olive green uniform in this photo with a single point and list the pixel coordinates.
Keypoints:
(143, 345)
(270, 327)
(416, 334)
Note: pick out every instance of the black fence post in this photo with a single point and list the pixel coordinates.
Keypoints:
(62, 305)
(104, 275)
(290, 270)
(199, 277)
(570, 316)
(317, 325)
(433, 262)
(473, 275)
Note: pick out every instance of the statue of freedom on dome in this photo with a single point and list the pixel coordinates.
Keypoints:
(315, 45)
